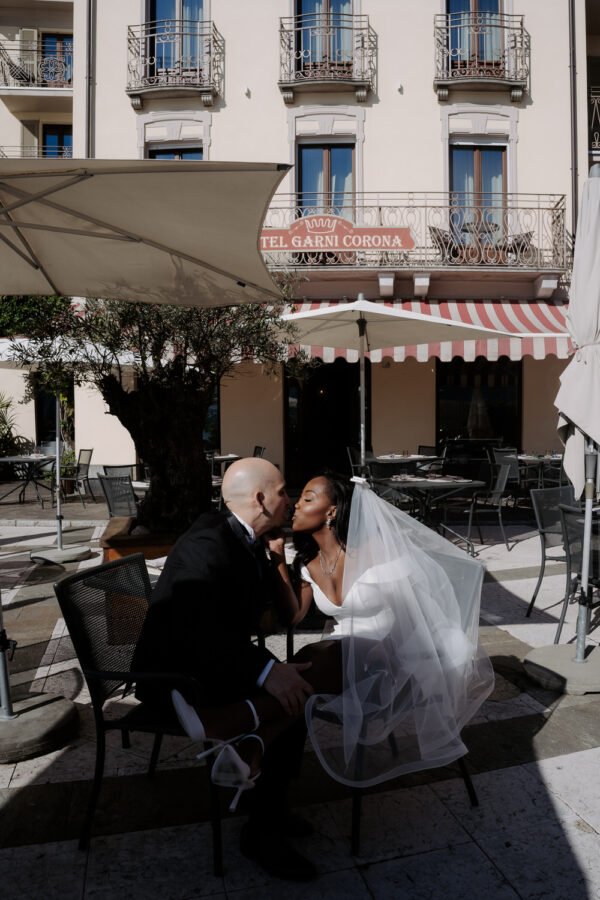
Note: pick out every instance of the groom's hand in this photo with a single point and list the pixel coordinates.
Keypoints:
(285, 683)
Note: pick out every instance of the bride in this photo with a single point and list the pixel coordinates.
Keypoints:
(402, 672)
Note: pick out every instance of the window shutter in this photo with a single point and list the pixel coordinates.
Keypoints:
(29, 138)
(28, 38)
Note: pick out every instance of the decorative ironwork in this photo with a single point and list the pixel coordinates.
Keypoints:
(28, 64)
(515, 231)
(481, 47)
(327, 48)
(50, 151)
(176, 53)
(594, 119)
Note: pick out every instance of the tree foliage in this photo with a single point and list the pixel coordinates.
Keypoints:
(157, 368)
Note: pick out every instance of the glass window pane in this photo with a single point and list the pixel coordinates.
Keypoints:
(492, 186)
(341, 180)
(462, 187)
(311, 178)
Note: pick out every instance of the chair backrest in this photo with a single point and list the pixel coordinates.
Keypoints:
(507, 456)
(572, 520)
(499, 487)
(546, 504)
(114, 471)
(258, 450)
(426, 450)
(83, 463)
(119, 494)
(104, 608)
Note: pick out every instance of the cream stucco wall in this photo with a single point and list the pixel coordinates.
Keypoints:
(403, 405)
(540, 386)
(96, 428)
(252, 413)
(12, 383)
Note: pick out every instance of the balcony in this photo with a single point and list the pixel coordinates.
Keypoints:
(173, 58)
(594, 123)
(327, 52)
(482, 51)
(50, 152)
(423, 237)
(31, 70)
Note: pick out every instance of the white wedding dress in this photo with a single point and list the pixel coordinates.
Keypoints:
(413, 671)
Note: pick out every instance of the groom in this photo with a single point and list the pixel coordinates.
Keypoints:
(206, 606)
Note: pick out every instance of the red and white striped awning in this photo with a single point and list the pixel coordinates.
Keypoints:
(541, 324)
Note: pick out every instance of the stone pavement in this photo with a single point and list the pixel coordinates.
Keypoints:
(534, 756)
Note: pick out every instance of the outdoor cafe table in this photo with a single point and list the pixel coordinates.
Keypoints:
(225, 459)
(28, 467)
(404, 461)
(539, 462)
(427, 491)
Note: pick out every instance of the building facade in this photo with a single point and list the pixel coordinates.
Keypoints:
(438, 150)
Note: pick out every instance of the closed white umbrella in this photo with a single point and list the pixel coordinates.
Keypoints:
(578, 401)
(365, 325)
(163, 232)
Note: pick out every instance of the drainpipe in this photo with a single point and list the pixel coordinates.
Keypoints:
(573, 92)
(89, 75)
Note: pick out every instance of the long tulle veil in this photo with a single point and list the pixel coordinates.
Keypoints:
(413, 671)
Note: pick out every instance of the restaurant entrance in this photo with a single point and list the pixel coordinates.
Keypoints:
(322, 418)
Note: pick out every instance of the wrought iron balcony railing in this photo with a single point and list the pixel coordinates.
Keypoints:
(490, 49)
(417, 231)
(49, 151)
(30, 64)
(594, 120)
(175, 55)
(327, 51)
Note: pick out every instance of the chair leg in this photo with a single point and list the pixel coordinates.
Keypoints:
(356, 814)
(563, 612)
(84, 840)
(215, 824)
(468, 782)
(502, 532)
(155, 753)
(538, 585)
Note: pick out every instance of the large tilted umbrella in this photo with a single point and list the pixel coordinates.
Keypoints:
(165, 232)
(176, 232)
(578, 402)
(364, 325)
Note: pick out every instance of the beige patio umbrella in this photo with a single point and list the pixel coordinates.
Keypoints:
(364, 325)
(176, 232)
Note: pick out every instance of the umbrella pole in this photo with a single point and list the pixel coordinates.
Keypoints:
(59, 536)
(583, 615)
(6, 646)
(362, 328)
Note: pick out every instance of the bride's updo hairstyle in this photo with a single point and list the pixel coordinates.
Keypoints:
(339, 490)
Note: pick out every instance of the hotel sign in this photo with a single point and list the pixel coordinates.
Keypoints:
(323, 232)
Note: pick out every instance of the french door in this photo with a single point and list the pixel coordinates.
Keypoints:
(325, 179)
(57, 141)
(177, 44)
(324, 36)
(56, 66)
(476, 36)
(477, 192)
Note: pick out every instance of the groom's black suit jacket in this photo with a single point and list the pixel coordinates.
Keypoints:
(206, 605)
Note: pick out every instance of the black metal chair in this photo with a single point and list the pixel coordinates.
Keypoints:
(104, 608)
(82, 475)
(546, 503)
(258, 450)
(119, 494)
(115, 471)
(572, 521)
(470, 510)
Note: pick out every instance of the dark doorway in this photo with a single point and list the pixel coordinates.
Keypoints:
(322, 418)
(479, 400)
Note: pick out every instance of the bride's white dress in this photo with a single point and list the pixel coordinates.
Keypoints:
(413, 671)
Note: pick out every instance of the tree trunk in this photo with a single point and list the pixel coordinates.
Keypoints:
(166, 424)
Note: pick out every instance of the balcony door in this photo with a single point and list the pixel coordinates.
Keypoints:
(476, 45)
(57, 141)
(325, 179)
(177, 39)
(324, 36)
(477, 193)
(56, 64)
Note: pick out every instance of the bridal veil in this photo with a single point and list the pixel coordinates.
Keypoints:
(413, 671)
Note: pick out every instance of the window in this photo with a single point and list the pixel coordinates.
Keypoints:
(57, 141)
(56, 67)
(175, 153)
(324, 36)
(178, 44)
(325, 179)
(475, 35)
(477, 191)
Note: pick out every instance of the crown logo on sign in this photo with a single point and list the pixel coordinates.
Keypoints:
(320, 224)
